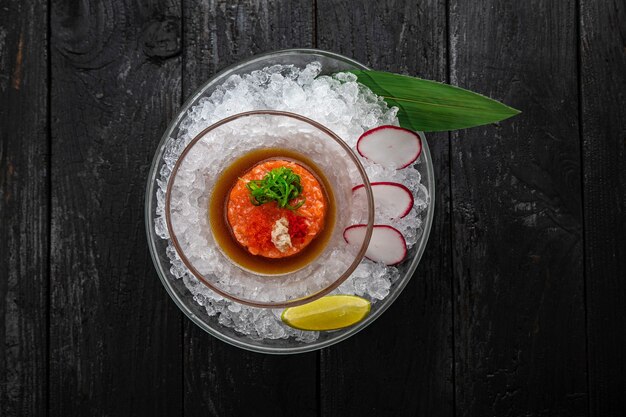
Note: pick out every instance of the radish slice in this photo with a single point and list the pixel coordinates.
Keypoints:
(391, 146)
(387, 244)
(391, 198)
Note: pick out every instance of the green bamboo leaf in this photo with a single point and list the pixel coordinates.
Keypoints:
(431, 106)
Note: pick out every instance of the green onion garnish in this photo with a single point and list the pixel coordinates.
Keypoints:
(281, 185)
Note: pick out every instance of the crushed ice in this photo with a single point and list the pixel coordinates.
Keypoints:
(338, 102)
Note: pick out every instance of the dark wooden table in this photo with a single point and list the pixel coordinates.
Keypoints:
(517, 309)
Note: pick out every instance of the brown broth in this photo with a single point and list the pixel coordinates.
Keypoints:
(223, 234)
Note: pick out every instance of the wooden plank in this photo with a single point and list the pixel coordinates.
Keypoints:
(222, 32)
(603, 83)
(115, 337)
(24, 208)
(402, 364)
(220, 379)
(517, 210)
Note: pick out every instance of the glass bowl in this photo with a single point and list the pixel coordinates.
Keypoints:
(193, 181)
(331, 63)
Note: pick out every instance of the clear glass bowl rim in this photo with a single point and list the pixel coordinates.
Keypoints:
(302, 300)
(151, 234)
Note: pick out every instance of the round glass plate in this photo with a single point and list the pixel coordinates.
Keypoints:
(331, 63)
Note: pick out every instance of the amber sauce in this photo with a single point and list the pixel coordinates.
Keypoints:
(223, 234)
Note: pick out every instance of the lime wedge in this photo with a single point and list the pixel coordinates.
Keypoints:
(327, 313)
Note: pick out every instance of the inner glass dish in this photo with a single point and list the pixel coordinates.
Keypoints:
(195, 176)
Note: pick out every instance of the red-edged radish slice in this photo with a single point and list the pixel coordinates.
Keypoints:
(391, 198)
(390, 146)
(387, 244)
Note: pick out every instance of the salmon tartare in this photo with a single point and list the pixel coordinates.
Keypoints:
(271, 225)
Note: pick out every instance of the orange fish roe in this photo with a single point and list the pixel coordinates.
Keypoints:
(252, 225)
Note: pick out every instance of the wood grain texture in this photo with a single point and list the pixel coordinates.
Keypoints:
(492, 323)
(219, 33)
(402, 363)
(221, 380)
(24, 191)
(517, 210)
(603, 84)
(115, 336)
